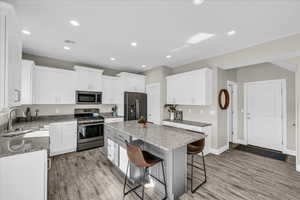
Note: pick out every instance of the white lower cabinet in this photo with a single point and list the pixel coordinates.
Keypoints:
(63, 137)
(206, 130)
(24, 176)
(123, 159)
(112, 120)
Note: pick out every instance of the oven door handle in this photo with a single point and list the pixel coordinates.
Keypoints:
(92, 124)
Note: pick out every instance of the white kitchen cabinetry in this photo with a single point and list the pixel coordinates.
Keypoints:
(27, 82)
(111, 90)
(130, 83)
(190, 88)
(113, 152)
(206, 130)
(123, 159)
(88, 79)
(112, 120)
(63, 137)
(10, 57)
(54, 86)
(24, 176)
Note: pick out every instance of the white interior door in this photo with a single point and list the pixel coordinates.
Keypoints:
(153, 103)
(264, 114)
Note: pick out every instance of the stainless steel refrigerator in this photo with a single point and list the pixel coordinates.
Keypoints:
(135, 105)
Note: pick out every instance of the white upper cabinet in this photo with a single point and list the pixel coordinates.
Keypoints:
(88, 79)
(132, 82)
(111, 90)
(27, 82)
(190, 88)
(10, 57)
(54, 86)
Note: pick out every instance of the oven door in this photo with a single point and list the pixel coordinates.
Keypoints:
(90, 132)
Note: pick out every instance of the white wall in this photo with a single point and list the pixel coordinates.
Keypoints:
(61, 109)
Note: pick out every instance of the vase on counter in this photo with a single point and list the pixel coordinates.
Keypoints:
(172, 116)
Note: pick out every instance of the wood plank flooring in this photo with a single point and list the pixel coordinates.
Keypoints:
(235, 175)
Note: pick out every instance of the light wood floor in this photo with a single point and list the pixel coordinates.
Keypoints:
(234, 175)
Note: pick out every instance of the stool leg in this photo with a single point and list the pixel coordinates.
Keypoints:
(125, 181)
(164, 177)
(143, 191)
(192, 174)
(204, 167)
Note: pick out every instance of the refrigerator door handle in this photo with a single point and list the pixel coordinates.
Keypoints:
(137, 107)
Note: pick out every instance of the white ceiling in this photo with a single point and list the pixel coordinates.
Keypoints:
(107, 27)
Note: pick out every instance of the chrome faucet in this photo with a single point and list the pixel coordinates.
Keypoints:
(9, 127)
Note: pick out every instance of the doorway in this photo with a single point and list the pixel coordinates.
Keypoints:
(265, 114)
(232, 118)
(153, 105)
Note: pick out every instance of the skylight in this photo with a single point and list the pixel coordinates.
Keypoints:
(199, 37)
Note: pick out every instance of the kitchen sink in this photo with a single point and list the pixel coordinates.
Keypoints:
(18, 132)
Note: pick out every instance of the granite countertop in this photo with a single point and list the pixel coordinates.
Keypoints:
(30, 142)
(44, 120)
(110, 115)
(163, 137)
(34, 141)
(186, 122)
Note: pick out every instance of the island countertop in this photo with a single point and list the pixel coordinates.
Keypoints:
(164, 137)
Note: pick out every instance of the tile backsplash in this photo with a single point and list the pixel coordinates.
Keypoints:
(61, 109)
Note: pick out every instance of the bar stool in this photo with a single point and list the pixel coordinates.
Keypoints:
(142, 159)
(194, 149)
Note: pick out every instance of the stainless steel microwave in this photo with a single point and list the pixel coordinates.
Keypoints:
(86, 97)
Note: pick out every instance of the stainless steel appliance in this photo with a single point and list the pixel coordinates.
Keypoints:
(135, 105)
(178, 115)
(90, 130)
(85, 97)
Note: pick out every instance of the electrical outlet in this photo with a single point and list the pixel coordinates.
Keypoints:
(190, 110)
(57, 111)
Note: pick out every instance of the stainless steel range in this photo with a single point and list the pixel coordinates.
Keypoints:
(90, 129)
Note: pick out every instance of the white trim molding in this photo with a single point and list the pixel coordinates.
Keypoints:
(298, 168)
(219, 150)
(232, 107)
(240, 141)
(290, 152)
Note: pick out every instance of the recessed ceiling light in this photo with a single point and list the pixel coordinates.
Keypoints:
(168, 56)
(198, 2)
(67, 48)
(134, 44)
(112, 59)
(26, 32)
(232, 32)
(74, 23)
(199, 37)
(143, 66)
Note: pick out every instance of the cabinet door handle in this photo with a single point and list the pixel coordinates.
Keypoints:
(49, 163)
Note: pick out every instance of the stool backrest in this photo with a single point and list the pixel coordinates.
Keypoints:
(135, 155)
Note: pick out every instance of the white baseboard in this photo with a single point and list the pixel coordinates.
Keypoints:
(290, 152)
(219, 151)
(239, 141)
(298, 168)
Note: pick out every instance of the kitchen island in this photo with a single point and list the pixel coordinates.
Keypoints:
(165, 142)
